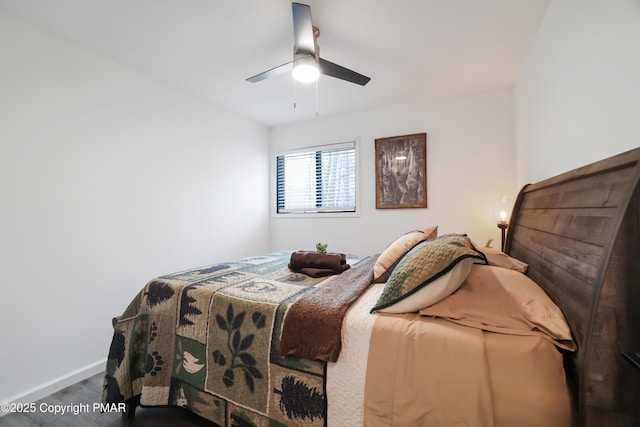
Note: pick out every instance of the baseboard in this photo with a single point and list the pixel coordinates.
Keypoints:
(58, 384)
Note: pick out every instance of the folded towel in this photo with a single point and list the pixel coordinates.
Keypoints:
(322, 272)
(318, 265)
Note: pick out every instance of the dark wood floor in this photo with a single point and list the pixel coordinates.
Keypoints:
(88, 392)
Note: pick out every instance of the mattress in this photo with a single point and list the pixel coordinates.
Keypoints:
(430, 371)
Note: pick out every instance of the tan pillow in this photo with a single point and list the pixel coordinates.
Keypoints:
(430, 232)
(500, 259)
(390, 257)
(501, 300)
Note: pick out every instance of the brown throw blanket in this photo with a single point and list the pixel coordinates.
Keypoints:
(312, 327)
(315, 264)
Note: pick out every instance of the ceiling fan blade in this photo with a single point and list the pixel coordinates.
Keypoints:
(334, 70)
(302, 30)
(272, 72)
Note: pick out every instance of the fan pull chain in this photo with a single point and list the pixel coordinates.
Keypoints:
(317, 97)
(295, 93)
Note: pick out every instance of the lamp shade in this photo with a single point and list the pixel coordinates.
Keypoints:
(502, 210)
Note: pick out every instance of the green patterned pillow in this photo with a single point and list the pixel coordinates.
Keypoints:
(428, 273)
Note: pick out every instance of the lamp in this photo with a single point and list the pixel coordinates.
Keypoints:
(305, 69)
(501, 210)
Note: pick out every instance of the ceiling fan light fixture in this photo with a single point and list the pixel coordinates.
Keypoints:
(307, 65)
(306, 70)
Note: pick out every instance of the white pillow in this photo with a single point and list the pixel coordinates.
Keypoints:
(435, 292)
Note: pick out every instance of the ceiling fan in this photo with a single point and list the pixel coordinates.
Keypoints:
(307, 64)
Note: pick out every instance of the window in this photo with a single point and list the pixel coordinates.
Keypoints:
(317, 179)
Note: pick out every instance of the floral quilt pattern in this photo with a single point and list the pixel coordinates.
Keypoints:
(207, 339)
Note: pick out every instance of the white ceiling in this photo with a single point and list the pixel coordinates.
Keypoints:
(411, 49)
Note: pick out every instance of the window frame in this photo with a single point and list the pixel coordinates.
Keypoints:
(306, 149)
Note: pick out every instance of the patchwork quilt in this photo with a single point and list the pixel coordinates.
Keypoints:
(208, 339)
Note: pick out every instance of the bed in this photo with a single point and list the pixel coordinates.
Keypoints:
(388, 342)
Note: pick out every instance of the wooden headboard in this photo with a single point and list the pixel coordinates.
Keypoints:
(579, 232)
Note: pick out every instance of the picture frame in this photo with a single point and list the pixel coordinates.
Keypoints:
(401, 171)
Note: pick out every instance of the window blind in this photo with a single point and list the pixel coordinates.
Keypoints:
(316, 180)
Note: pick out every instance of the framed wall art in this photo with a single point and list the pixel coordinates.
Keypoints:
(401, 171)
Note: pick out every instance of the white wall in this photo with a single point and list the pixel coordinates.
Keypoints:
(107, 179)
(578, 95)
(470, 152)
